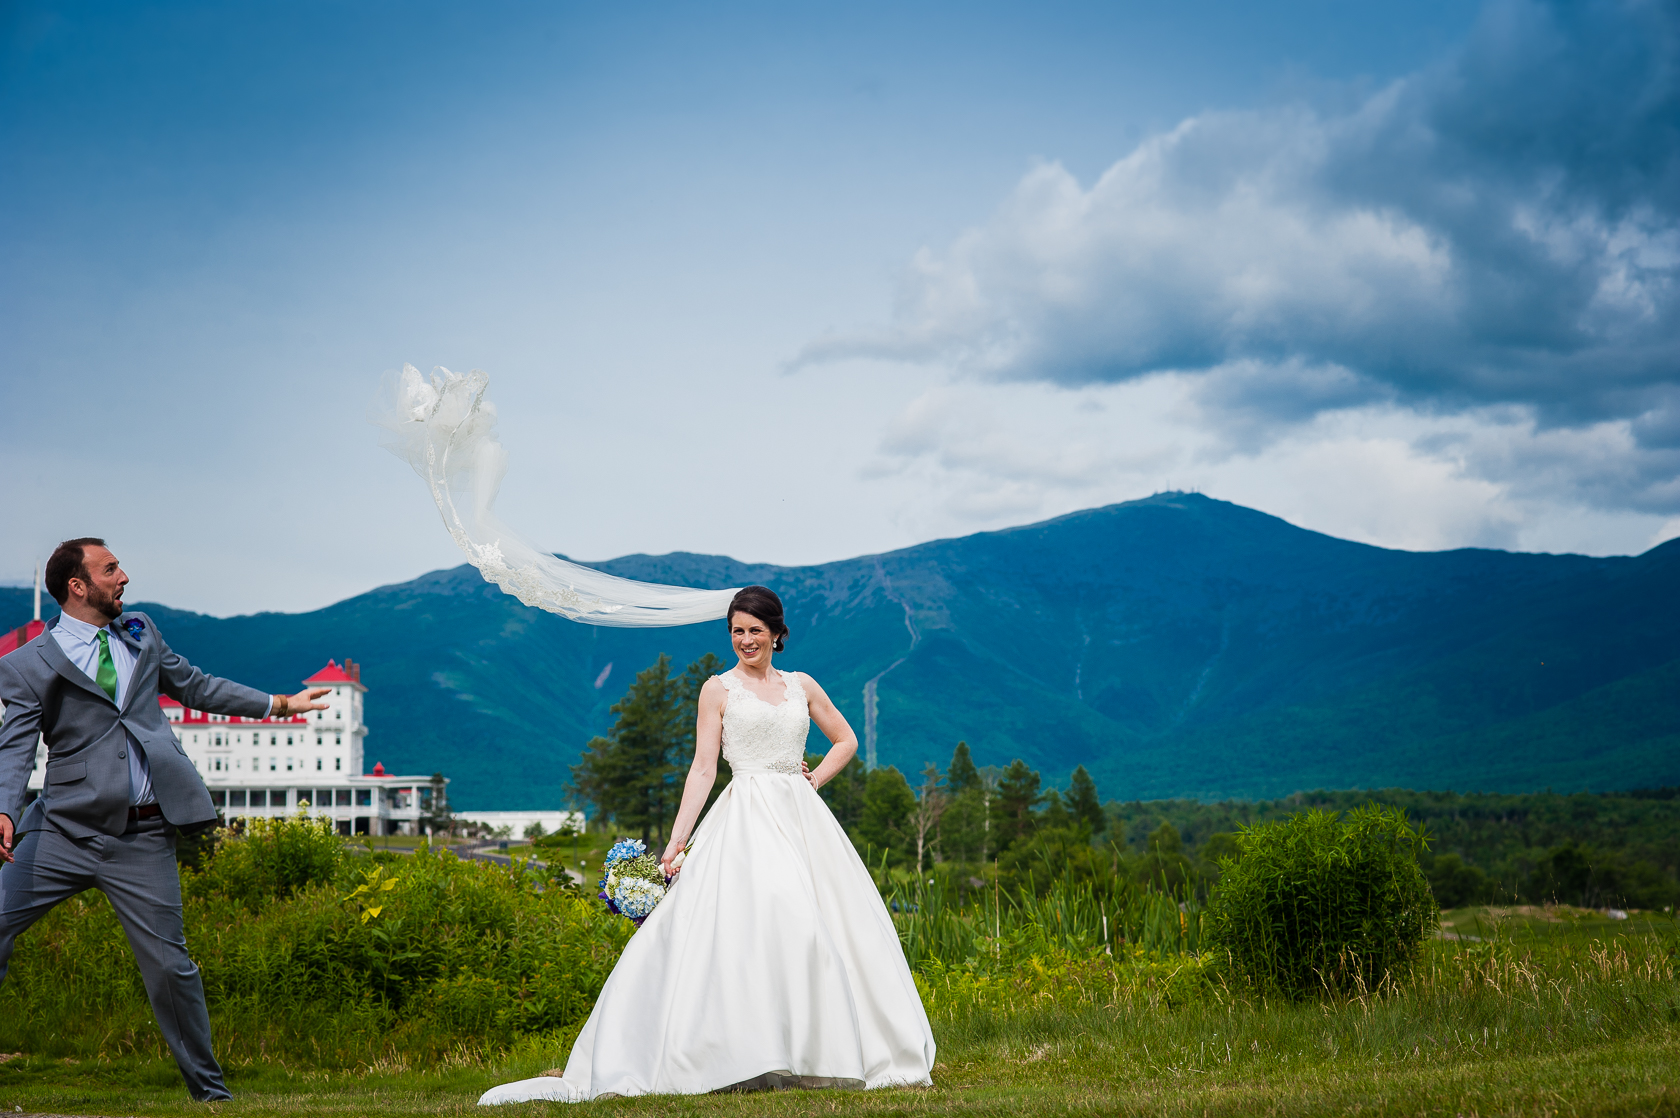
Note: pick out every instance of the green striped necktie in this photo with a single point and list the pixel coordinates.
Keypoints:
(107, 677)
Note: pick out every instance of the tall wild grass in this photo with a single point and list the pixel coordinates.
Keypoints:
(318, 954)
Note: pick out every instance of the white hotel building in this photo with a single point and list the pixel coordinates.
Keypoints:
(274, 766)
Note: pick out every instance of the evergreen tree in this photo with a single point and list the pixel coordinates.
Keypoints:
(1055, 814)
(962, 828)
(888, 805)
(634, 776)
(962, 774)
(1083, 803)
(1013, 803)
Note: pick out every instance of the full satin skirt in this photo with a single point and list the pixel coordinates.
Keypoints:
(771, 962)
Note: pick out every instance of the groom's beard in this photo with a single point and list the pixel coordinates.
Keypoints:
(108, 604)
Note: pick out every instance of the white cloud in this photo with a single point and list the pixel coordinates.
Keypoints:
(1497, 239)
(964, 456)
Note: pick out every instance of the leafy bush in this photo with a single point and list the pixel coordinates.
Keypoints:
(1317, 904)
(270, 860)
(315, 952)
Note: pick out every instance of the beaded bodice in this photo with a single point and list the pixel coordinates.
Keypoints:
(762, 737)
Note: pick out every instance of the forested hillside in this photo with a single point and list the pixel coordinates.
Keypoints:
(1175, 646)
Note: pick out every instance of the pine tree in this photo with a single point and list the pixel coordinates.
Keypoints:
(634, 776)
(962, 774)
(1012, 805)
(1055, 814)
(1083, 803)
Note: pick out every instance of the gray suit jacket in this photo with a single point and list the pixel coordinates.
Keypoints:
(86, 790)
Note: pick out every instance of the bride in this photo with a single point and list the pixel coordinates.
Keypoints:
(771, 962)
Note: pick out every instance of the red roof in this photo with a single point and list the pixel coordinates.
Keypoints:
(166, 702)
(378, 768)
(22, 635)
(350, 673)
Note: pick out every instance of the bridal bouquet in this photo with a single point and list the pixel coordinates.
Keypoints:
(634, 884)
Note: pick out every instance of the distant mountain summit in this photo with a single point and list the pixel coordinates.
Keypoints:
(1176, 646)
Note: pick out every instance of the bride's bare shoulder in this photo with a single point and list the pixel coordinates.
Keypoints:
(811, 686)
(713, 689)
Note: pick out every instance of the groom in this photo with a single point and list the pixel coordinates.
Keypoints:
(118, 786)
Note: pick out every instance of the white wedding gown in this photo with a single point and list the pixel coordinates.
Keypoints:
(771, 962)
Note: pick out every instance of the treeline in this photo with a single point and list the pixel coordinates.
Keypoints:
(1590, 849)
(1595, 849)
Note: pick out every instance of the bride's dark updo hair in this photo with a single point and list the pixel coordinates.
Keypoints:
(760, 602)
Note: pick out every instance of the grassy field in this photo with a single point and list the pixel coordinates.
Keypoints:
(1549, 1011)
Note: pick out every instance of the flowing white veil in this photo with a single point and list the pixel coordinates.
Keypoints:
(446, 430)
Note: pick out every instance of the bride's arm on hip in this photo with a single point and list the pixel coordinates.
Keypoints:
(708, 740)
(833, 724)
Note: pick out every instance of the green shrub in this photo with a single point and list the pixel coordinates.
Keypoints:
(269, 861)
(1318, 904)
(314, 951)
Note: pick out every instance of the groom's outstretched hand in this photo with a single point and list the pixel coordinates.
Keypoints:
(306, 700)
(6, 837)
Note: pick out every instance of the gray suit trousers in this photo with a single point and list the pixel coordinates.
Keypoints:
(136, 870)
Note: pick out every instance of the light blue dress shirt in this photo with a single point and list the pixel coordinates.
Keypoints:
(80, 642)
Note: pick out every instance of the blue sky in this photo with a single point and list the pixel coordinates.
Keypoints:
(795, 283)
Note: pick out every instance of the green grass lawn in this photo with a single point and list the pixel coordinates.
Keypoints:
(1063, 1073)
(1552, 1012)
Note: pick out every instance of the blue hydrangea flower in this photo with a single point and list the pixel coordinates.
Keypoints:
(625, 849)
(637, 897)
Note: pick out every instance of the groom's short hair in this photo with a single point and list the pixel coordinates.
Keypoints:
(68, 561)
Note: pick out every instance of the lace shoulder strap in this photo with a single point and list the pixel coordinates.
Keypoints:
(794, 686)
(730, 683)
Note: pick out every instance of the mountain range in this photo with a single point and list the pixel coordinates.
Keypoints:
(1177, 646)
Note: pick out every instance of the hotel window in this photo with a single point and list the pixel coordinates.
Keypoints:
(317, 764)
(339, 740)
(218, 799)
(341, 797)
(317, 739)
(236, 799)
(273, 763)
(218, 739)
(288, 739)
(364, 797)
(288, 764)
(274, 739)
(259, 798)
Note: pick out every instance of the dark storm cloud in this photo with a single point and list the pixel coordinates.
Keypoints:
(1500, 229)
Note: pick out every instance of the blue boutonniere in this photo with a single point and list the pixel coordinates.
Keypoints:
(135, 627)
